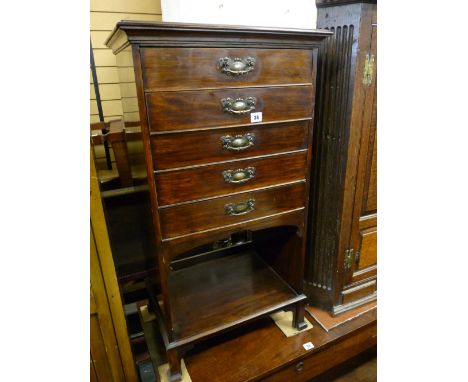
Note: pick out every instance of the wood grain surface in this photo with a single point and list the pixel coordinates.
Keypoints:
(189, 110)
(208, 181)
(191, 68)
(193, 217)
(214, 293)
(179, 92)
(267, 355)
(199, 147)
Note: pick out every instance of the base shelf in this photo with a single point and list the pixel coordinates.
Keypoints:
(222, 293)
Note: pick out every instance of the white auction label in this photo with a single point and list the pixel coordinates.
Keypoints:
(256, 117)
(308, 345)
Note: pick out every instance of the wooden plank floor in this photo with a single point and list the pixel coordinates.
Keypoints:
(260, 351)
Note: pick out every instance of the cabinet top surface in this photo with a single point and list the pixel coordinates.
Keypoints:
(138, 32)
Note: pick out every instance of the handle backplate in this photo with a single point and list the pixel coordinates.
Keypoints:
(238, 142)
(238, 105)
(236, 66)
(239, 176)
(241, 208)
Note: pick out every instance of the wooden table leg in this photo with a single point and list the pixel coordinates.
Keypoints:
(298, 316)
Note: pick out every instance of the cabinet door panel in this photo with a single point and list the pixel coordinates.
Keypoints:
(364, 226)
(370, 188)
(368, 253)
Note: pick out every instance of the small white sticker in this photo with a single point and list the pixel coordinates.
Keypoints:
(256, 117)
(308, 345)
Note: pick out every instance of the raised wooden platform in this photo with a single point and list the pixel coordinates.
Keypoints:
(261, 352)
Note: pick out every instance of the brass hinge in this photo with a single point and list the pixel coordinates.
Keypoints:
(368, 70)
(348, 259)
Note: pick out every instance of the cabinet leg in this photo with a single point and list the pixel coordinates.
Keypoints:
(175, 371)
(151, 299)
(298, 316)
(150, 306)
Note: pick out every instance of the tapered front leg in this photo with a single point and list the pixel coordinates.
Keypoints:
(298, 316)
(175, 371)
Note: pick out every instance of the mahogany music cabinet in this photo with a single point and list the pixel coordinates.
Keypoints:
(226, 116)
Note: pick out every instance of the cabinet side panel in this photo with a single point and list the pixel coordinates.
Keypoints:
(336, 64)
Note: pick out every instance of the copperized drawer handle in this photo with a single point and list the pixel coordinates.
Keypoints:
(238, 105)
(239, 176)
(234, 209)
(236, 66)
(238, 142)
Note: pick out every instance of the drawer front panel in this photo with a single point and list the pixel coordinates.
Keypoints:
(191, 68)
(191, 110)
(193, 148)
(227, 178)
(325, 358)
(359, 291)
(210, 214)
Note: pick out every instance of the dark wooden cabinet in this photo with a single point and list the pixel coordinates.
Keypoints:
(229, 189)
(341, 270)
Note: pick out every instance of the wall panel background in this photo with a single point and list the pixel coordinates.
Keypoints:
(284, 14)
(103, 17)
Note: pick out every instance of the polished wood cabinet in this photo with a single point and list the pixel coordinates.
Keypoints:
(341, 270)
(226, 117)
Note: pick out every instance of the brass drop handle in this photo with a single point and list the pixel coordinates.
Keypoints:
(236, 66)
(239, 176)
(241, 208)
(300, 366)
(238, 142)
(238, 105)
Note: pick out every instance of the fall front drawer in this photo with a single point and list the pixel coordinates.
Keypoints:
(192, 110)
(229, 177)
(220, 212)
(182, 68)
(175, 150)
